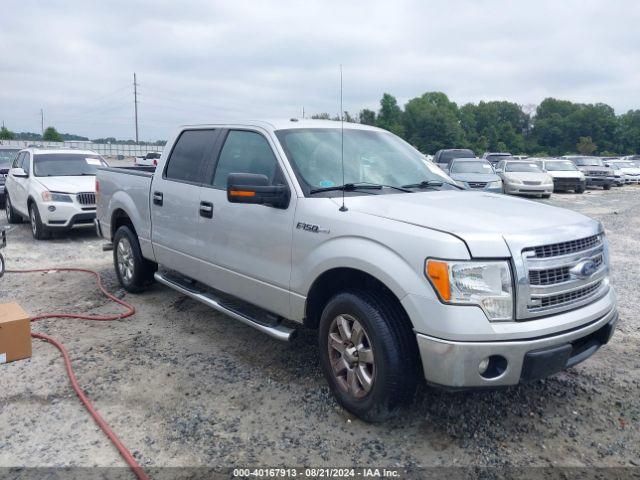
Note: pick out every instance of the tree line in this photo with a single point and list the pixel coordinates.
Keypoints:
(52, 135)
(556, 127)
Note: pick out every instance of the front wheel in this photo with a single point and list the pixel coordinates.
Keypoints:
(580, 190)
(546, 195)
(134, 272)
(368, 354)
(606, 187)
(39, 231)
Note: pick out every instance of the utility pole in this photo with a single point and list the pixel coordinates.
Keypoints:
(42, 122)
(135, 102)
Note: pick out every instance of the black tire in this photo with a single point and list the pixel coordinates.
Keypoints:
(580, 190)
(2, 266)
(134, 272)
(39, 231)
(393, 346)
(12, 215)
(606, 187)
(546, 195)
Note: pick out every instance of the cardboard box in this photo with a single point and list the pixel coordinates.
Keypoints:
(15, 333)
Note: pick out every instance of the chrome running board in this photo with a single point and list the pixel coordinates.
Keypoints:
(275, 330)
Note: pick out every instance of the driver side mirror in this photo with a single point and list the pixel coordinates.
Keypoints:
(255, 188)
(19, 172)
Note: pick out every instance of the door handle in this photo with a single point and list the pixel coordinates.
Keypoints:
(206, 209)
(157, 198)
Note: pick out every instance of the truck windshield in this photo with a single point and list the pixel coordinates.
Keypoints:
(66, 164)
(6, 157)
(589, 162)
(370, 156)
(471, 167)
(522, 167)
(561, 166)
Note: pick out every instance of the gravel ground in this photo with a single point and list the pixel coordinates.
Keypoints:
(185, 386)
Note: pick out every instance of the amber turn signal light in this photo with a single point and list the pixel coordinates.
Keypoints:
(438, 273)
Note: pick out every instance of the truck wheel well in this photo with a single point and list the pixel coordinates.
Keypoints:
(118, 219)
(339, 280)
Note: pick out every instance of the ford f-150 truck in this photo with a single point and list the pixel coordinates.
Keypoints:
(403, 273)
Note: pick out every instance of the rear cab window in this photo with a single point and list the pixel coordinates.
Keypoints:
(190, 155)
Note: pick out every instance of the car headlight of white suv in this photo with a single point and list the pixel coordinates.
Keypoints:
(48, 196)
(487, 284)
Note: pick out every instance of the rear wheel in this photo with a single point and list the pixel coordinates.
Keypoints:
(134, 272)
(546, 195)
(39, 231)
(606, 187)
(12, 215)
(580, 190)
(368, 354)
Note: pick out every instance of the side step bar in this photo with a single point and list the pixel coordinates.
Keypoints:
(279, 331)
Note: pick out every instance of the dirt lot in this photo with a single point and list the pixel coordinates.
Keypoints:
(184, 386)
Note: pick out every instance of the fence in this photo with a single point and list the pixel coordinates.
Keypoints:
(106, 149)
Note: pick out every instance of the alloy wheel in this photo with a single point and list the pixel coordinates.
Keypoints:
(351, 356)
(125, 261)
(32, 217)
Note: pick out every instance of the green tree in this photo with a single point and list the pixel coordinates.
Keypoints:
(390, 115)
(585, 146)
(628, 132)
(367, 117)
(51, 135)
(321, 116)
(6, 134)
(431, 122)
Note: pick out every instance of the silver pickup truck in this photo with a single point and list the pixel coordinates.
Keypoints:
(352, 232)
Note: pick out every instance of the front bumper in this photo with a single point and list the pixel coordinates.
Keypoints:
(520, 189)
(455, 364)
(66, 215)
(563, 184)
(600, 181)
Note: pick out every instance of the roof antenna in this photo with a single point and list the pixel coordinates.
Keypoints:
(343, 208)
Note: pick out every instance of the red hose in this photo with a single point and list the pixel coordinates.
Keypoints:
(124, 452)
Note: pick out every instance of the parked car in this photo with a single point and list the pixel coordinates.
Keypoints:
(476, 174)
(7, 155)
(403, 274)
(565, 174)
(148, 160)
(524, 178)
(495, 157)
(626, 169)
(54, 189)
(594, 169)
(443, 158)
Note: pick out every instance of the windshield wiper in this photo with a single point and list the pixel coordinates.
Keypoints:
(429, 184)
(349, 187)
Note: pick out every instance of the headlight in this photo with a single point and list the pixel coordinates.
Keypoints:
(486, 284)
(496, 184)
(48, 196)
(513, 180)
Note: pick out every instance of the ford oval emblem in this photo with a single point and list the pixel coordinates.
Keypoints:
(584, 269)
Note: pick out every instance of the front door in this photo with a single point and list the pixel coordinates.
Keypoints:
(249, 246)
(20, 184)
(175, 198)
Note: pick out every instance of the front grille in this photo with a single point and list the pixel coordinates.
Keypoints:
(529, 182)
(553, 276)
(87, 198)
(477, 184)
(569, 297)
(565, 248)
(597, 173)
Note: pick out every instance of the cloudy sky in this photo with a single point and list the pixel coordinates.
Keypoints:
(199, 60)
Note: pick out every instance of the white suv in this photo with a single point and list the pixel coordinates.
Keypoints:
(54, 189)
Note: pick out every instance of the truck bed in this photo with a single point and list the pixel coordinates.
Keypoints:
(126, 189)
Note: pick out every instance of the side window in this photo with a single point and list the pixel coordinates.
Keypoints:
(245, 152)
(17, 162)
(189, 155)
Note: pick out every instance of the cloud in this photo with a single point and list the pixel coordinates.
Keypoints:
(200, 60)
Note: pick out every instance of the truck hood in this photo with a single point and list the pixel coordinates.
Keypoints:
(475, 177)
(565, 174)
(488, 223)
(85, 183)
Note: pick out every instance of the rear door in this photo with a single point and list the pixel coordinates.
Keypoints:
(175, 199)
(20, 188)
(248, 246)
